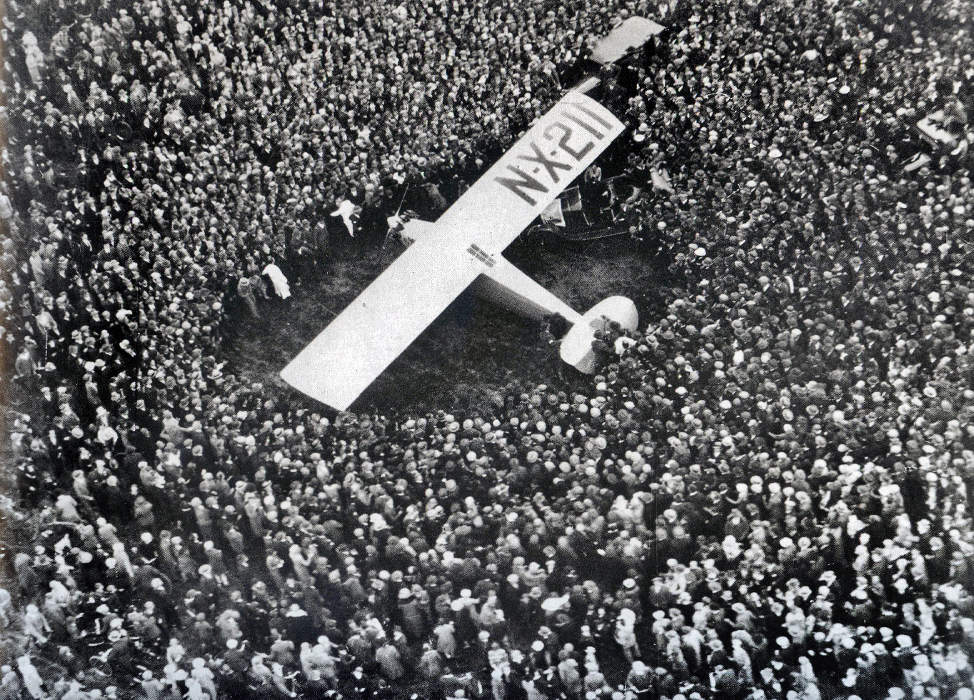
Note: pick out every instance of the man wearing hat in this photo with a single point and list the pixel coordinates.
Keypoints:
(446, 642)
(411, 616)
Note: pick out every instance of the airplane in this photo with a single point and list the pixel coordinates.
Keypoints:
(464, 247)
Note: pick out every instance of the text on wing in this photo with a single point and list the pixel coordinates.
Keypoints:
(544, 161)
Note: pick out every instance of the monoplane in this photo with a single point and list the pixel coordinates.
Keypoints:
(464, 247)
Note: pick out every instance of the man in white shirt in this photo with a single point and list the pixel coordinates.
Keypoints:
(281, 286)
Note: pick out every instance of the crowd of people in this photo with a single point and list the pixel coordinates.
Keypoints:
(764, 494)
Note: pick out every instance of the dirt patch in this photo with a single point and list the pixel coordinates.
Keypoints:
(468, 359)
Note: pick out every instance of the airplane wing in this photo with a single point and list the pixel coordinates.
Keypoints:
(518, 187)
(367, 336)
(373, 330)
(633, 32)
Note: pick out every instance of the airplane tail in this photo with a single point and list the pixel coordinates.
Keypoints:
(576, 346)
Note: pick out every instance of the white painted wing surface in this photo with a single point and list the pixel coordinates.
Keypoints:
(633, 32)
(383, 320)
(518, 187)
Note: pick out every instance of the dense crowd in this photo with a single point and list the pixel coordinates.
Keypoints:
(765, 494)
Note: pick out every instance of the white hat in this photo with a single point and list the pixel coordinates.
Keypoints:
(552, 604)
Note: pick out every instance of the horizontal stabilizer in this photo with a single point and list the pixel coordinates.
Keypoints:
(576, 346)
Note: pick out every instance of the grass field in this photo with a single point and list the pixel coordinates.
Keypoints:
(473, 352)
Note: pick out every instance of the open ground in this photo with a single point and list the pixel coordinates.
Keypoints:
(473, 352)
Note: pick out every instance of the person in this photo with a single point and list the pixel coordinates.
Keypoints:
(797, 403)
(36, 625)
(246, 293)
(204, 677)
(32, 680)
(346, 210)
(10, 684)
(5, 604)
(389, 660)
(278, 280)
(625, 634)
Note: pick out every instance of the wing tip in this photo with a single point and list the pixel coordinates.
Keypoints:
(297, 380)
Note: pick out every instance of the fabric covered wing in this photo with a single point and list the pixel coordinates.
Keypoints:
(383, 320)
(634, 32)
(521, 185)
